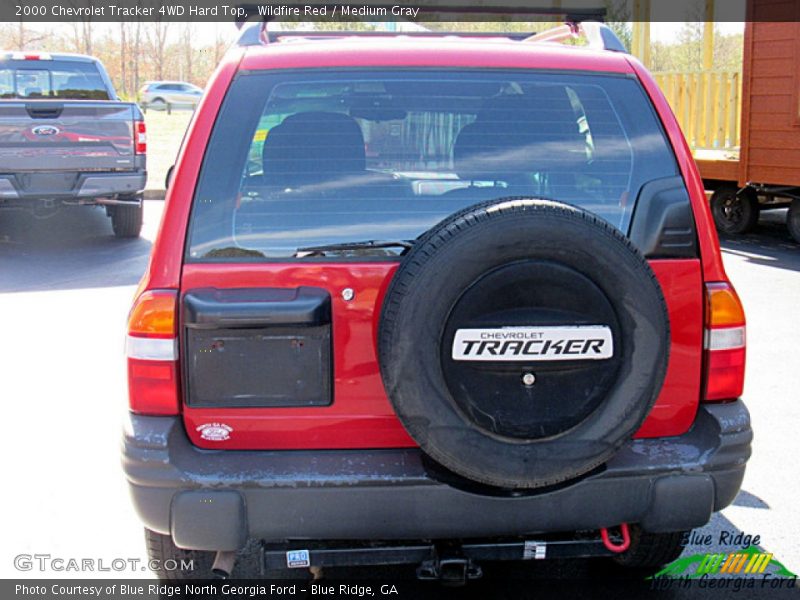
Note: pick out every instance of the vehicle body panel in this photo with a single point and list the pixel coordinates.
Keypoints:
(441, 53)
(85, 136)
(55, 146)
(394, 494)
(361, 415)
(710, 253)
(360, 403)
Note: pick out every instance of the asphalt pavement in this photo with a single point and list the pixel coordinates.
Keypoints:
(65, 289)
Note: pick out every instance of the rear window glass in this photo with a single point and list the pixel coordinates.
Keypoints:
(309, 165)
(68, 80)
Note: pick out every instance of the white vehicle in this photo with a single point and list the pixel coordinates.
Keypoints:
(159, 94)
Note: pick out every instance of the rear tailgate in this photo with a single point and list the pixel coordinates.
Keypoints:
(69, 135)
(277, 193)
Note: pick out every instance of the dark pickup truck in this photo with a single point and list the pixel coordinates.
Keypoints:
(67, 139)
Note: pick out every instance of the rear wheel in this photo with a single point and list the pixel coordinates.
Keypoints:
(793, 220)
(650, 550)
(172, 563)
(734, 213)
(126, 220)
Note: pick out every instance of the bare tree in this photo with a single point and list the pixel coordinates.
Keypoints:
(82, 29)
(136, 54)
(86, 36)
(188, 52)
(82, 36)
(20, 37)
(157, 41)
(220, 45)
(123, 57)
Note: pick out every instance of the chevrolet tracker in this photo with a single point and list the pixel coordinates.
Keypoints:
(433, 300)
(546, 343)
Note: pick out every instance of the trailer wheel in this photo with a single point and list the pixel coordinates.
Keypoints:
(793, 220)
(734, 212)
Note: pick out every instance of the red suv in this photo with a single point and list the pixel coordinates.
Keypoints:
(433, 300)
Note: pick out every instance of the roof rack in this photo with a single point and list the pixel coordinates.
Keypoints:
(598, 35)
(248, 10)
(577, 23)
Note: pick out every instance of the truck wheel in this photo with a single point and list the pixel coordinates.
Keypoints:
(734, 213)
(172, 563)
(127, 220)
(650, 550)
(510, 346)
(793, 220)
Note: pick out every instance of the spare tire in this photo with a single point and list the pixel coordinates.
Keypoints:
(522, 342)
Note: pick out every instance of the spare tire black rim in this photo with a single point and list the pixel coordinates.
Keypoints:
(525, 351)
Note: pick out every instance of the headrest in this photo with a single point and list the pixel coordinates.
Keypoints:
(311, 147)
(74, 82)
(519, 135)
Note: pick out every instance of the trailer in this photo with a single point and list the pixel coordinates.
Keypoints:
(766, 173)
(742, 125)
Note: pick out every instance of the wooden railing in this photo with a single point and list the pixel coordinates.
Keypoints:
(708, 106)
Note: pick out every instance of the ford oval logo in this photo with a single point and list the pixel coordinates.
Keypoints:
(45, 130)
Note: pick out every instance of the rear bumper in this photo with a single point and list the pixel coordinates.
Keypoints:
(215, 500)
(76, 186)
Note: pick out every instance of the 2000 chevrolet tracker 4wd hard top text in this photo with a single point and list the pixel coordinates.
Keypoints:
(433, 300)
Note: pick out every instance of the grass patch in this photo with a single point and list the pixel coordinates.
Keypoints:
(164, 136)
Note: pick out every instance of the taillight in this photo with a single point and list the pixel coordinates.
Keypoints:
(724, 343)
(140, 137)
(31, 56)
(152, 351)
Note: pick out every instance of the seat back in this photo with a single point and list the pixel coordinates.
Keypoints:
(515, 138)
(311, 148)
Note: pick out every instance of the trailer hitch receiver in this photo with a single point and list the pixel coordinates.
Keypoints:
(450, 571)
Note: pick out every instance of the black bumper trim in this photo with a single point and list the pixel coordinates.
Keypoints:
(666, 484)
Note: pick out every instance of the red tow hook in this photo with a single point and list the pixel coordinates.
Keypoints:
(617, 548)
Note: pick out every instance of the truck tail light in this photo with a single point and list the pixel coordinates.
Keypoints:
(152, 351)
(725, 343)
(139, 137)
(31, 56)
